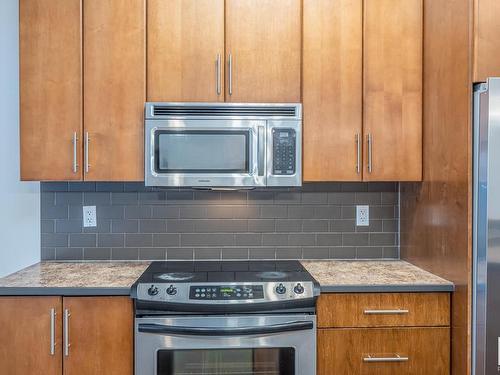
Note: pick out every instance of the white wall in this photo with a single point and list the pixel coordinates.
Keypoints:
(19, 201)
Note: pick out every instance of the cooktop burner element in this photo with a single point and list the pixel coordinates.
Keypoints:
(210, 286)
(272, 275)
(175, 276)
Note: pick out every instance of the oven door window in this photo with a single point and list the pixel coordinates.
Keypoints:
(268, 361)
(202, 151)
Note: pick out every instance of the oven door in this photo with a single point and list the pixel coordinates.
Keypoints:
(205, 153)
(229, 345)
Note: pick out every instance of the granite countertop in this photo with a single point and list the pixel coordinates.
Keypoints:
(374, 276)
(116, 278)
(73, 278)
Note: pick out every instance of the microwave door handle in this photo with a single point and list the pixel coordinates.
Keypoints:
(260, 150)
(223, 331)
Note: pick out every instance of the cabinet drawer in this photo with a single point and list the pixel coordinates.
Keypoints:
(383, 310)
(384, 351)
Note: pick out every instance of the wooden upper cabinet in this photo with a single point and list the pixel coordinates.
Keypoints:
(185, 50)
(393, 36)
(50, 89)
(114, 49)
(332, 90)
(263, 50)
(486, 40)
(26, 335)
(100, 331)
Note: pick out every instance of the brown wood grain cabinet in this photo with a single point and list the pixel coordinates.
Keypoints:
(28, 328)
(332, 90)
(50, 63)
(392, 92)
(362, 87)
(383, 310)
(114, 71)
(34, 331)
(100, 336)
(486, 42)
(384, 333)
(384, 351)
(263, 50)
(185, 58)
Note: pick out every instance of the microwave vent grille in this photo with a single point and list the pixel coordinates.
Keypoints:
(221, 111)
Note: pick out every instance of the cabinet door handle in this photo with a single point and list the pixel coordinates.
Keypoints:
(358, 154)
(66, 332)
(396, 358)
(370, 146)
(52, 331)
(75, 152)
(87, 140)
(230, 79)
(386, 312)
(218, 78)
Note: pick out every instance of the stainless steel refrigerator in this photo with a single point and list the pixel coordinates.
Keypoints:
(486, 229)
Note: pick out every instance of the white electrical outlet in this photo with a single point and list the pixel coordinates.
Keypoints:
(362, 216)
(89, 216)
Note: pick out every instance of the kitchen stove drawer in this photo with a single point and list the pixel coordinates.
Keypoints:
(383, 310)
(384, 351)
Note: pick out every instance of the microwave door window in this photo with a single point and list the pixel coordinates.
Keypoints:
(202, 151)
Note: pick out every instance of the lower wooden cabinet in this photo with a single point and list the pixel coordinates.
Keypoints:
(385, 351)
(26, 331)
(66, 335)
(384, 334)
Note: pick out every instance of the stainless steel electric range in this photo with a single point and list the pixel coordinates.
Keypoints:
(231, 318)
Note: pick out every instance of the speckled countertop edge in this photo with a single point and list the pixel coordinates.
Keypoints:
(374, 276)
(116, 278)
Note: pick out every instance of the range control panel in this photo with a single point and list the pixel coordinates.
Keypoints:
(226, 292)
(220, 293)
(284, 151)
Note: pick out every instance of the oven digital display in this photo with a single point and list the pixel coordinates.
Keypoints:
(226, 292)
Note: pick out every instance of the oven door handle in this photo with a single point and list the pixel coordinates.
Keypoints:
(220, 331)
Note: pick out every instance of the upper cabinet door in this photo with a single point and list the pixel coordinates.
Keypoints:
(114, 49)
(332, 90)
(100, 332)
(186, 50)
(393, 35)
(486, 40)
(263, 50)
(50, 89)
(30, 342)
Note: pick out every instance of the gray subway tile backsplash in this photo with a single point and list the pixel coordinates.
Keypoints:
(135, 222)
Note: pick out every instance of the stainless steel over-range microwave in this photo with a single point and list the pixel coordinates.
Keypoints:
(223, 144)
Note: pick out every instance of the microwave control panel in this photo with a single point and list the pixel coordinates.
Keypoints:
(284, 151)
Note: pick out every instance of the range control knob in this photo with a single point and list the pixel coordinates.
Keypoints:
(280, 289)
(171, 290)
(153, 291)
(298, 289)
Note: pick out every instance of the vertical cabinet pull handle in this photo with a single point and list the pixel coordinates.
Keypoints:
(358, 154)
(75, 152)
(52, 331)
(66, 332)
(230, 67)
(218, 78)
(370, 146)
(87, 140)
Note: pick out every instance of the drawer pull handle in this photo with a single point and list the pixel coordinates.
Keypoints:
(386, 312)
(396, 358)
